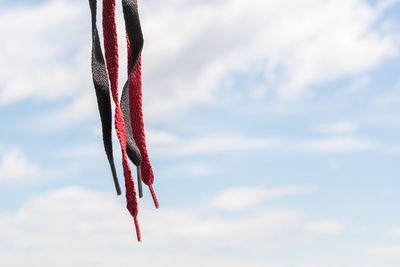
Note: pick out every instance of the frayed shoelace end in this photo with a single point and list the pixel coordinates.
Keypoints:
(153, 194)
(138, 234)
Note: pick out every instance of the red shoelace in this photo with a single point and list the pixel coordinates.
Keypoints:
(129, 122)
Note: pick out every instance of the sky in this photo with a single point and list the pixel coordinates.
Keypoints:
(272, 126)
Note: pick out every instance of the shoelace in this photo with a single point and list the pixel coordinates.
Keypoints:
(102, 89)
(136, 113)
(128, 114)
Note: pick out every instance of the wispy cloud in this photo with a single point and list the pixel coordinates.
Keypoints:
(249, 197)
(213, 144)
(395, 232)
(173, 145)
(15, 167)
(192, 169)
(83, 151)
(337, 145)
(81, 108)
(386, 250)
(341, 127)
(162, 143)
(160, 137)
(328, 227)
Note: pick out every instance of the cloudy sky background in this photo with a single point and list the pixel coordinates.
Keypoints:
(273, 130)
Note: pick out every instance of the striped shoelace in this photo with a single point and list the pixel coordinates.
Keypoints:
(128, 113)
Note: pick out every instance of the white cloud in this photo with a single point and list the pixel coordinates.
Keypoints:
(83, 151)
(172, 145)
(195, 169)
(184, 62)
(248, 197)
(15, 166)
(161, 144)
(341, 127)
(305, 40)
(337, 145)
(213, 144)
(360, 228)
(386, 250)
(395, 232)
(79, 109)
(328, 227)
(359, 84)
(38, 57)
(73, 226)
(160, 137)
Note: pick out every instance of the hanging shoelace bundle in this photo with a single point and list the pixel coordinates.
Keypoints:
(128, 113)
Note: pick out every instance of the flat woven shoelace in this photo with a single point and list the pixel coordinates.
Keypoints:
(135, 101)
(128, 114)
(102, 89)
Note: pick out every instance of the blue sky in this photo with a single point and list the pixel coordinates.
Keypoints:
(272, 128)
